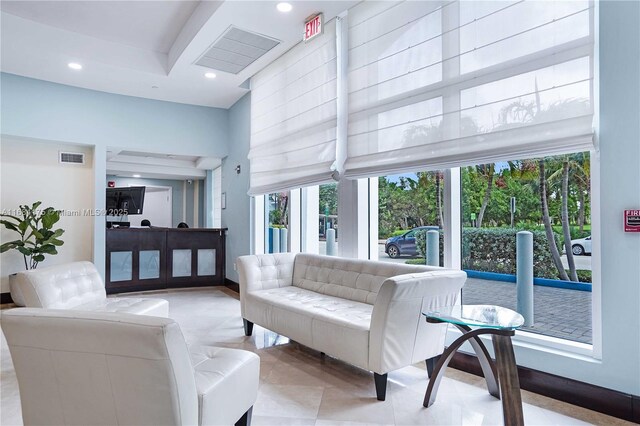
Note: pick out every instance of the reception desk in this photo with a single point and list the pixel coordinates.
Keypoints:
(157, 258)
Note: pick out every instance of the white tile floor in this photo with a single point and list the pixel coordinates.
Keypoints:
(299, 387)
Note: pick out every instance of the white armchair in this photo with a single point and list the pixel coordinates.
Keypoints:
(80, 367)
(77, 285)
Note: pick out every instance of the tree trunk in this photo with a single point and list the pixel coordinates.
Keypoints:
(487, 197)
(581, 211)
(566, 230)
(547, 225)
(284, 218)
(439, 200)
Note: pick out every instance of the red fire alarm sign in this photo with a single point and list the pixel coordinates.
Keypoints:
(632, 221)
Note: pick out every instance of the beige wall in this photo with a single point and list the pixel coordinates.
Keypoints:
(29, 172)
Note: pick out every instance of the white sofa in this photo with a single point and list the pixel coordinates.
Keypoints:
(89, 368)
(363, 312)
(76, 285)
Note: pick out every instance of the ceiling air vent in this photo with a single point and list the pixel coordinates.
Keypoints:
(235, 50)
(71, 157)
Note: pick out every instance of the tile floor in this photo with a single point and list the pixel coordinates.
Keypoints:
(299, 387)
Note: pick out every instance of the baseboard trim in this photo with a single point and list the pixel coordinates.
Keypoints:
(607, 401)
(232, 285)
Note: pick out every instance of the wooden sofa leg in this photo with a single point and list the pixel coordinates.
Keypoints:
(248, 327)
(381, 385)
(431, 364)
(245, 420)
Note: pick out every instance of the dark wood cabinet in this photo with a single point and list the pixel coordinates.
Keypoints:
(157, 258)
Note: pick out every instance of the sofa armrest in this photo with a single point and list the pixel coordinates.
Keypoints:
(263, 272)
(400, 335)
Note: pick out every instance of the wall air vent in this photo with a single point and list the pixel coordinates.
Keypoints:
(235, 50)
(71, 157)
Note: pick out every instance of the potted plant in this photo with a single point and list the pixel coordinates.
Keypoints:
(37, 238)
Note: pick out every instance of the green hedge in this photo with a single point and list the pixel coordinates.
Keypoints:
(494, 250)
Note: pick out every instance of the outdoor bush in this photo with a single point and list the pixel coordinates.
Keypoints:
(398, 232)
(584, 276)
(494, 250)
(418, 261)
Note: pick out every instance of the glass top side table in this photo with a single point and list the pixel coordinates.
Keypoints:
(501, 324)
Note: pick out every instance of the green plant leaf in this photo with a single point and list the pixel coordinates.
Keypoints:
(35, 205)
(38, 257)
(10, 245)
(49, 218)
(56, 242)
(48, 249)
(24, 250)
(17, 219)
(9, 225)
(22, 226)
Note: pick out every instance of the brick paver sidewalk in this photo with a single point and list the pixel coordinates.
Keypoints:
(557, 312)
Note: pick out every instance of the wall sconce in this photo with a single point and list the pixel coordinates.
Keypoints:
(238, 169)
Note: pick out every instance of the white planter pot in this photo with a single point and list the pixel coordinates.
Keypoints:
(16, 292)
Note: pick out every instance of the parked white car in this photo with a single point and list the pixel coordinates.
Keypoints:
(581, 246)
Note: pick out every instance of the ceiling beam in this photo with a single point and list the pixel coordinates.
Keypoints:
(191, 28)
(114, 167)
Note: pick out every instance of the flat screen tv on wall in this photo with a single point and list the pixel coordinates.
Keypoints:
(125, 201)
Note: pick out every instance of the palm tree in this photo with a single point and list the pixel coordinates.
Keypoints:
(488, 172)
(438, 178)
(555, 254)
(574, 166)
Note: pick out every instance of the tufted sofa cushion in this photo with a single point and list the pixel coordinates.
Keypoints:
(316, 320)
(357, 280)
(61, 286)
(130, 305)
(78, 285)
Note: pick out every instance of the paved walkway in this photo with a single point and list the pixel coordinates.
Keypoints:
(557, 312)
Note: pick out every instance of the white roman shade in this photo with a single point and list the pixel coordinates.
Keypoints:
(293, 117)
(434, 85)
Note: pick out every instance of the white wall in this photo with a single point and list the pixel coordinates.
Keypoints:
(45, 111)
(236, 215)
(30, 172)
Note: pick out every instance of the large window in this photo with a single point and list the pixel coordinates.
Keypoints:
(549, 197)
(440, 86)
(409, 205)
(328, 219)
(277, 231)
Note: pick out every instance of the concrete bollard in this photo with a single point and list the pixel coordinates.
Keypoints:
(433, 248)
(284, 241)
(275, 240)
(331, 242)
(524, 276)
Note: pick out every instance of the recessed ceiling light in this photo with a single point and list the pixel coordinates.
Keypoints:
(210, 75)
(136, 176)
(74, 66)
(284, 7)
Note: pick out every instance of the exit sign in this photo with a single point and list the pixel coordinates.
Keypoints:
(313, 27)
(632, 221)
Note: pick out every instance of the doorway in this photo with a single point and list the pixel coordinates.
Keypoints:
(157, 208)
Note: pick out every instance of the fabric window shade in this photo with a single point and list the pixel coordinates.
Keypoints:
(434, 85)
(293, 117)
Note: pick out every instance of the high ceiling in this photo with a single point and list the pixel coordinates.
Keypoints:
(145, 48)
